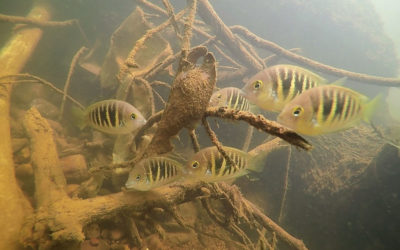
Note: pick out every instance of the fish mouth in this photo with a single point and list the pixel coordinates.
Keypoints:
(130, 185)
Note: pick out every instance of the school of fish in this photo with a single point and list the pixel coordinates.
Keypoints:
(303, 99)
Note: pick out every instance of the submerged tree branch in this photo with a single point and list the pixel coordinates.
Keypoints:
(265, 44)
(43, 23)
(260, 122)
(222, 31)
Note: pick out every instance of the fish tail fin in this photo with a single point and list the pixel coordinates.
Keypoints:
(260, 154)
(78, 117)
(257, 162)
(371, 107)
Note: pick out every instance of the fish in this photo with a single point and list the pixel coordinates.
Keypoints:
(274, 87)
(154, 172)
(210, 166)
(113, 117)
(230, 97)
(327, 109)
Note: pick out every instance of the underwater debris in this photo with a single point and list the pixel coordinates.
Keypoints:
(187, 101)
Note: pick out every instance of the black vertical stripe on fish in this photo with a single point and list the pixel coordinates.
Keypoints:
(98, 119)
(218, 161)
(327, 104)
(298, 84)
(112, 113)
(350, 109)
(92, 117)
(154, 170)
(334, 107)
(345, 107)
(103, 115)
(286, 75)
(320, 107)
(340, 102)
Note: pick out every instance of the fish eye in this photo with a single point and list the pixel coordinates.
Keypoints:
(195, 164)
(298, 111)
(257, 84)
(133, 116)
(138, 177)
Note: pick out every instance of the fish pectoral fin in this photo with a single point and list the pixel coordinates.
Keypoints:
(251, 177)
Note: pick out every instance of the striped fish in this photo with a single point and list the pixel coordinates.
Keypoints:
(327, 109)
(231, 98)
(114, 117)
(210, 166)
(154, 172)
(274, 87)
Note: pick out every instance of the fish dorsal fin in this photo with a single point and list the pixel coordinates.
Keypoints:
(339, 82)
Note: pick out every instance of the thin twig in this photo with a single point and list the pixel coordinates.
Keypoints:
(273, 59)
(187, 33)
(160, 83)
(130, 61)
(68, 81)
(150, 122)
(153, 7)
(265, 44)
(160, 97)
(195, 142)
(217, 143)
(249, 136)
(150, 91)
(210, 17)
(285, 185)
(42, 24)
(252, 51)
(228, 58)
(42, 81)
(171, 15)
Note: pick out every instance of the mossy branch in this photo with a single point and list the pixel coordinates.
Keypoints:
(261, 123)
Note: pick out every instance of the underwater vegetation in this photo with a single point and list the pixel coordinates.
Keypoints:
(173, 130)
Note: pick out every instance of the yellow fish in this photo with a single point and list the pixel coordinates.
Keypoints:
(230, 97)
(154, 172)
(210, 166)
(114, 117)
(327, 109)
(274, 87)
